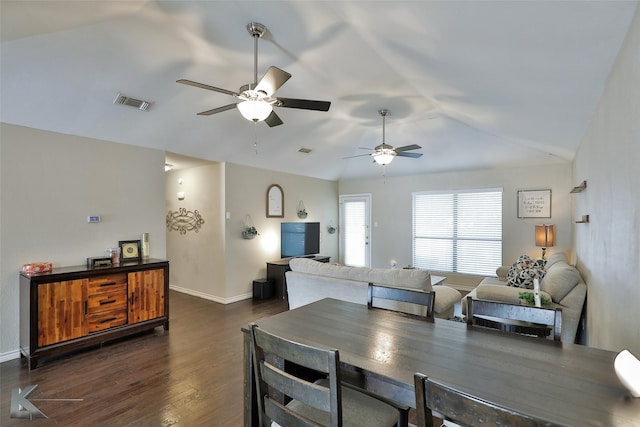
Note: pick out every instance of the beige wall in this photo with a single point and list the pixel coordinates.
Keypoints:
(246, 193)
(608, 247)
(217, 263)
(50, 183)
(197, 259)
(391, 209)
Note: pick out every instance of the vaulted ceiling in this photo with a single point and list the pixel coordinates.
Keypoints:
(486, 84)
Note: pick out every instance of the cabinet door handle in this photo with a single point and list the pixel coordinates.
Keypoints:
(132, 299)
(86, 307)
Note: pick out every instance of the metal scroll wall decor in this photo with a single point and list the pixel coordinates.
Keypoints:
(183, 220)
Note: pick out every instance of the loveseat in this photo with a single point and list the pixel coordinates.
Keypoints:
(310, 281)
(561, 283)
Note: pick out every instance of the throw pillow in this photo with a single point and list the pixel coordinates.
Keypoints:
(524, 271)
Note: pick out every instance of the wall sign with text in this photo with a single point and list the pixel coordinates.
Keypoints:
(534, 204)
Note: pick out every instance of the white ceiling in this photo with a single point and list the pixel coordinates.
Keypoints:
(482, 84)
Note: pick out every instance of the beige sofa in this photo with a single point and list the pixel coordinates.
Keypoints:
(310, 281)
(562, 283)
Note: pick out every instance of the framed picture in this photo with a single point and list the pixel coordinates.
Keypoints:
(275, 202)
(534, 204)
(130, 250)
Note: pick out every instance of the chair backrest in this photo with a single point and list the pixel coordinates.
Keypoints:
(409, 296)
(326, 399)
(478, 311)
(462, 408)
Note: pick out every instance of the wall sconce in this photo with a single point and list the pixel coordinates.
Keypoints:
(330, 228)
(545, 237)
(250, 230)
(302, 211)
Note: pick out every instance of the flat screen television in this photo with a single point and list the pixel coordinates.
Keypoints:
(299, 239)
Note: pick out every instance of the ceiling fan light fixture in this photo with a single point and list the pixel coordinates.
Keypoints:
(385, 157)
(255, 110)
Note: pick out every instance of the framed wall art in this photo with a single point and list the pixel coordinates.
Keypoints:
(534, 204)
(275, 202)
(130, 250)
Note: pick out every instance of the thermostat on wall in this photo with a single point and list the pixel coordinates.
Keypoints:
(93, 218)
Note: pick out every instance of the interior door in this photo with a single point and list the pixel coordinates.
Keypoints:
(355, 230)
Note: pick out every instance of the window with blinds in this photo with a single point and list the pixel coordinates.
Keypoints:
(459, 231)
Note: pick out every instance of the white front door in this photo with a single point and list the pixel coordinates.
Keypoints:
(355, 228)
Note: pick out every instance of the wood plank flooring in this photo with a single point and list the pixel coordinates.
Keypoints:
(188, 376)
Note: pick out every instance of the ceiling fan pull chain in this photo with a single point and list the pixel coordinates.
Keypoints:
(255, 136)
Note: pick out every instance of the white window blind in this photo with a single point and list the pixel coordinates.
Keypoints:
(459, 231)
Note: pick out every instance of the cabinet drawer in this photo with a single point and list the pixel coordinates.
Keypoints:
(106, 320)
(107, 301)
(108, 283)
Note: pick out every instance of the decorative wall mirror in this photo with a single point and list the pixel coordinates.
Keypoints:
(275, 202)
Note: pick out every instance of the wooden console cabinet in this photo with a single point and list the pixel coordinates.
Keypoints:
(276, 271)
(71, 308)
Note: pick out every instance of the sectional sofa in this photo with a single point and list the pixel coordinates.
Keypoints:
(562, 284)
(310, 281)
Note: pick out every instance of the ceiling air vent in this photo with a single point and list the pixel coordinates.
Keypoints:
(304, 150)
(132, 102)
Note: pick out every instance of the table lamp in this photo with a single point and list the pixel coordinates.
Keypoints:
(545, 237)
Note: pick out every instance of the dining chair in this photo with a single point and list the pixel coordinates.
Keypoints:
(416, 297)
(454, 406)
(321, 403)
(514, 318)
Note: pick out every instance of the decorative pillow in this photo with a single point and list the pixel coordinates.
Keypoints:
(524, 271)
(560, 279)
(555, 258)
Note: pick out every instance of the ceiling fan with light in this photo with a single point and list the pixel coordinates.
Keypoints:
(256, 100)
(384, 153)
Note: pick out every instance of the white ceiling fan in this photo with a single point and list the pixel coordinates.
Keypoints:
(256, 100)
(384, 153)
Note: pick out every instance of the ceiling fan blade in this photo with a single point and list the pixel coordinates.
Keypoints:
(273, 120)
(407, 147)
(217, 110)
(304, 104)
(357, 155)
(272, 80)
(204, 86)
(404, 154)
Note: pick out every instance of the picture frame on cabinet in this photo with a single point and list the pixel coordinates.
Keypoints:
(130, 250)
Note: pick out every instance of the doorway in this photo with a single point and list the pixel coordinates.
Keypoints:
(355, 230)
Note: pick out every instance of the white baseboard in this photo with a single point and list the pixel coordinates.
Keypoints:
(211, 297)
(10, 355)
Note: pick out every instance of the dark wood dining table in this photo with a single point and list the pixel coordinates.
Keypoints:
(565, 384)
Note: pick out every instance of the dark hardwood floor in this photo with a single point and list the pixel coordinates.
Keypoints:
(188, 376)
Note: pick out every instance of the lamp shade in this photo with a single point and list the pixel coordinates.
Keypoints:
(545, 236)
(254, 110)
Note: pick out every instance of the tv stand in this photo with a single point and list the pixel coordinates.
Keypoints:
(276, 271)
